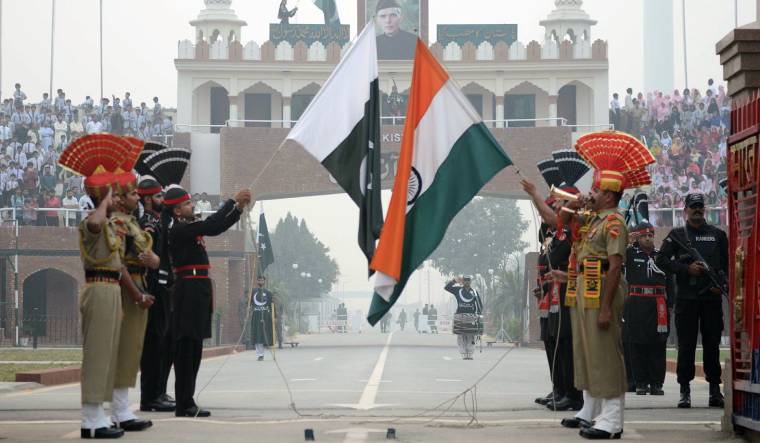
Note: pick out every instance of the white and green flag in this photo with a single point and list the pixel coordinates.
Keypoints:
(341, 129)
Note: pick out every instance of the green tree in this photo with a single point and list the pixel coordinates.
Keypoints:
(293, 243)
(481, 238)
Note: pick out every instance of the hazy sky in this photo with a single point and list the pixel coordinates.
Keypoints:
(140, 43)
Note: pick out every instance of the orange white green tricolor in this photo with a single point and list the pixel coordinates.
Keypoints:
(447, 155)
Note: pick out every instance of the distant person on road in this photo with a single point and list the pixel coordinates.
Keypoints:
(402, 319)
(416, 316)
(432, 319)
(262, 333)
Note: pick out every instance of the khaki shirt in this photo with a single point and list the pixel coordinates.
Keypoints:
(134, 238)
(101, 250)
(603, 235)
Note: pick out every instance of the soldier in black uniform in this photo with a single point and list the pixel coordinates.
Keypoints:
(559, 330)
(698, 306)
(262, 333)
(192, 293)
(645, 314)
(155, 362)
(542, 296)
(468, 303)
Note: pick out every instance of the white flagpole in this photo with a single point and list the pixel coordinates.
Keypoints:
(52, 48)
(101, 52)
(685, 54)
(1, 48)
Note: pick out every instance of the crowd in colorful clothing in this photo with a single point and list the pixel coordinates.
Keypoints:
(686, 131)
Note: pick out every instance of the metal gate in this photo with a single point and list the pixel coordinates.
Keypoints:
(744, 284)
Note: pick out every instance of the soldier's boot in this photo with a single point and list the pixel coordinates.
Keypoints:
(685, 401)
(716, 397)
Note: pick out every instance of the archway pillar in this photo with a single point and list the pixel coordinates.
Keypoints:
(286, 112)
(234, 102)
(499, 111)
(553, 110)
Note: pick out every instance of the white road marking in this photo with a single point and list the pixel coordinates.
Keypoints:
(379, 381)
(367, 400)
(303, 379)
(447, 380)
(319, 359)
(446, 358)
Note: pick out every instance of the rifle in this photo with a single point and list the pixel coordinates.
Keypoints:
(717, 278)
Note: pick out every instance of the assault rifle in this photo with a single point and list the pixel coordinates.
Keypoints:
(717, 278)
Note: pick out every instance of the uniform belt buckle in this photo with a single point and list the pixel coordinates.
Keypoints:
(194, 274)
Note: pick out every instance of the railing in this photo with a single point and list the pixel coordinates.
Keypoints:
(673, 217)
(68, 218)
(398, 121)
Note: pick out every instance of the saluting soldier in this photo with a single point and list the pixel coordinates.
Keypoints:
(137, 255)
(645, 315)
(467, 323)
(101, 302)
(193, 291)
(262, 333)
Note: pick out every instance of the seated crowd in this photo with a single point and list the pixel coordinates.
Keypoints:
(33, 135)
(687, 133)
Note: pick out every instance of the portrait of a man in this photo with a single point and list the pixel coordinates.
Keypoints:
(393, 42)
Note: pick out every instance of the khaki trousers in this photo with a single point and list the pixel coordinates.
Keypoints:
(131, 342)
(101, 312)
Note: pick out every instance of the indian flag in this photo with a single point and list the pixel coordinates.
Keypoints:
(341, 129)
(447, 156)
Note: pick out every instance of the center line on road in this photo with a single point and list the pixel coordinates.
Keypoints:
(367, 400)
(303, 379)
(447, 380)
(319, 359)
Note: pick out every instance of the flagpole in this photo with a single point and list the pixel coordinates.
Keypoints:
(101, 53)
(52, 48)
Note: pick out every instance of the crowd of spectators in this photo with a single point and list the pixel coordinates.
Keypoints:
(33, 135)
(687, 133)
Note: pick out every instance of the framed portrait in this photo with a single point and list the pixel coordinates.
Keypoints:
(397, 24)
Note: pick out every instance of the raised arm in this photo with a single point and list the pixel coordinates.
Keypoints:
(223, 219)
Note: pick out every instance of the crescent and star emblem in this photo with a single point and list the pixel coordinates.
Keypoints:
(463, 298)
(256, 299)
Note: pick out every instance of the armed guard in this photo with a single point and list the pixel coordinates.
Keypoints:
(697, 254)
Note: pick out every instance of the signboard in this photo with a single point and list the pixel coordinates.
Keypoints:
(309, 34)
(476, 34)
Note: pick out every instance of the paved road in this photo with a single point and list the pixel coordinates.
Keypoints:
(351, 388)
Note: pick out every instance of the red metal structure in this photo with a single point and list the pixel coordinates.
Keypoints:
(744, 253)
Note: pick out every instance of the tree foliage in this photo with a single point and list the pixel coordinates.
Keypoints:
(294, 243)
(481, 237)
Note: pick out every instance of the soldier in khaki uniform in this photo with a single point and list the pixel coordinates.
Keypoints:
(598, 255)
(137, 253)
(96, 157)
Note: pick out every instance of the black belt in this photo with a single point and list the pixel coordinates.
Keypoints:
(135, 269)
(192, 271)
(99, 275)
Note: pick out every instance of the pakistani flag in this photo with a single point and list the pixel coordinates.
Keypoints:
(341, 129)
(447, 155)
(330, 10)
(265, 253)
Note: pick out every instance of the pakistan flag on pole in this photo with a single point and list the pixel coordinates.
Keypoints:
(341, 129)
(330, 10)
(447, 156)
(265, 253)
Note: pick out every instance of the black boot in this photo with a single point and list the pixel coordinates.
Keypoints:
(716, 398)
(641, 389)
(656, 390)
(685, 401)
